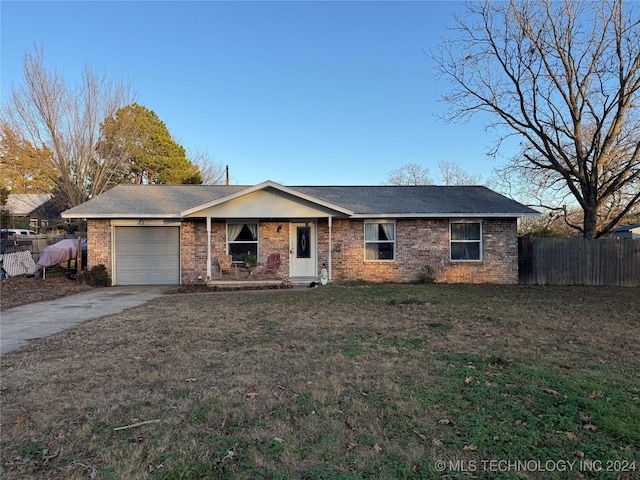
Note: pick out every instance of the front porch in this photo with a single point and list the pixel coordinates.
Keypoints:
(243, 275)
(250, 283)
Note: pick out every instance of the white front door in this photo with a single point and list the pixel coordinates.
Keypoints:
(303, 250)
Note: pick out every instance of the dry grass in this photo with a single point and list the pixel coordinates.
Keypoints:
(360, 380)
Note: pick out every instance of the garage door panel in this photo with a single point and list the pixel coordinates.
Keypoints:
(147, 255)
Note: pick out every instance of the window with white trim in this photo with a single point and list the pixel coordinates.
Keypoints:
(466, 241)
(379, 241)
(242, 238)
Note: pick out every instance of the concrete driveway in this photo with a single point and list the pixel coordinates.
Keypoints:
(20, 324)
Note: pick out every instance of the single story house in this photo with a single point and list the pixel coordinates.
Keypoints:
(179, 234)
(31, 210)
(628, 231)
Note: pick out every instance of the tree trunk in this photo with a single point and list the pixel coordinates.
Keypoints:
(590, 228)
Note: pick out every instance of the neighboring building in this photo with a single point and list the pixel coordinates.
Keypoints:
(30, 210)
(175, 234)
(628, 231)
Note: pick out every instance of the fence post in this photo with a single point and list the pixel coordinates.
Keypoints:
(79, 260)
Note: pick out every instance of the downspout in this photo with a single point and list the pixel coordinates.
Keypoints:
(208, 248)
(330, 247)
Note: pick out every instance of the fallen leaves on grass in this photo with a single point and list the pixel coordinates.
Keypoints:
(250, 392)
(422, 437)
(569, 435)
(584, 418)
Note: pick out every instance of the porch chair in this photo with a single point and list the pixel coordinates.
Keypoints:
(273, 262)
(225, 264)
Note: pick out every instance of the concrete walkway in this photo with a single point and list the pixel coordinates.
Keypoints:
(20, 324)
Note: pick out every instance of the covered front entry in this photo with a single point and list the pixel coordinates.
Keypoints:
(147, 255)
(303, 251)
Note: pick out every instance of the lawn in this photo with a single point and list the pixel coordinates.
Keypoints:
(337, 382)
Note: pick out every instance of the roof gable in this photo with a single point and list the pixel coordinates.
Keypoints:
(255, 204)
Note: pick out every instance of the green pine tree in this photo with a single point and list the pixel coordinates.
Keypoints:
(151, 155)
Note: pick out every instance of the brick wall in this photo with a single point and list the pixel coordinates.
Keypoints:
(99, 244)
(421, 243)
(188, 253)
(272, 241)
(193, 239)
(418, 243)
(193, 249)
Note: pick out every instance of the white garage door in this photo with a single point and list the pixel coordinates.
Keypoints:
(147, 255)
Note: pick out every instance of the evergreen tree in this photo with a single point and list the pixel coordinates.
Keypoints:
(151, 155)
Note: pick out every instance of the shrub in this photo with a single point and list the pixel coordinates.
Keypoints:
(427, 275)
(96, 276)
(249, 258)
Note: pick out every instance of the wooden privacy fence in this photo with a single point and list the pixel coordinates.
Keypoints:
(579, 261)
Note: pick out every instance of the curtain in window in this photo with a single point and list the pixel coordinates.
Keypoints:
(465, 231)
(371, 232)
(253, 228)
(389, 231)
(465, 251)
(465, 241)
(234, 230)
(379, 241)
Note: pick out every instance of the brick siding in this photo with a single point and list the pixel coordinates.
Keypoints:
(99, 244)
(419, 243)
(422, 243)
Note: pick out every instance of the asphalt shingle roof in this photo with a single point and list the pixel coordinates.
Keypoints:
(427, 199)
(169, 200)
(25, 203)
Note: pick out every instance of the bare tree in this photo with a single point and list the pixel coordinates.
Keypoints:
(409, 174)
(563, 76)
(450, 173)
(213, 173)
(66, 121)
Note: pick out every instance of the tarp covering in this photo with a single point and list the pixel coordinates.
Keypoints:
(18, 263)
(57, 253)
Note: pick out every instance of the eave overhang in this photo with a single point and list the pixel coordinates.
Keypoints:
(444, 215)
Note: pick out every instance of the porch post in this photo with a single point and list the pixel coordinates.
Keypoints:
(330, 247)
(208, 248)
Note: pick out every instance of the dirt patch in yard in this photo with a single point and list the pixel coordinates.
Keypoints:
(15, 291)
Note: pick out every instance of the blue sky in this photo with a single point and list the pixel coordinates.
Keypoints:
(302, 93)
